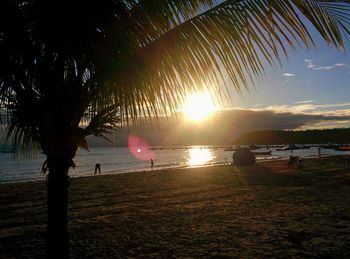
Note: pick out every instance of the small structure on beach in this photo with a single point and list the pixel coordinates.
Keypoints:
(243, 157)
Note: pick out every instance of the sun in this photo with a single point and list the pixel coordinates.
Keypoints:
(198, 106)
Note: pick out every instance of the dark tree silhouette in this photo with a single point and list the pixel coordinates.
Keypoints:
(69, 69)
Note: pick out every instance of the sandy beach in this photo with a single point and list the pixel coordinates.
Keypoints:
(267, 210)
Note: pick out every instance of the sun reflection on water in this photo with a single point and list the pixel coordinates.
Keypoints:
(199, 156)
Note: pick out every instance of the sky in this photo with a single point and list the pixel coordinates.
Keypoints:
(311, 81)
(310, 91)
(314, 81)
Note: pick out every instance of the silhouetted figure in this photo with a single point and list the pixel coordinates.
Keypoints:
(319, 151)
(44, 168)
(97, 168)
(151, 163)
(294, 161)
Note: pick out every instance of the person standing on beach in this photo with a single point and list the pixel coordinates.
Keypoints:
(151, 163)
(319, 151)
(97, 168)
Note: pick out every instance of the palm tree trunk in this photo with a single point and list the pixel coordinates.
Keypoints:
(57, 239)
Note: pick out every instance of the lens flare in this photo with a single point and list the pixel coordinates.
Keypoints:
(139, 148)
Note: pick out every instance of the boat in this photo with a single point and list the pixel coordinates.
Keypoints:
(288, 147)
(263, 153)
(253, 147)
(330, 146)
(234, 148)
(342, 148)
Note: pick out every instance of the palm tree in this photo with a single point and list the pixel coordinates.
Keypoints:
(70, 69)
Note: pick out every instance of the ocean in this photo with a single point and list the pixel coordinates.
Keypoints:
(124, 160)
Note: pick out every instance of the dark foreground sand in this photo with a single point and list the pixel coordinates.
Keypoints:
(262, 211)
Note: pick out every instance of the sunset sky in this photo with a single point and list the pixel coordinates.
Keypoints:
(314, 81)
(310, 91)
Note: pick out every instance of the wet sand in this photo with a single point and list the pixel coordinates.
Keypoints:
(267, 210)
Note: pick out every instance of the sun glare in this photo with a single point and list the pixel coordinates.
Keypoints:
(198, 106)
(199, 156)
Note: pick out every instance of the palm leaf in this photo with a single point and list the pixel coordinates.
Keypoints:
(64, 63)
(228, 40)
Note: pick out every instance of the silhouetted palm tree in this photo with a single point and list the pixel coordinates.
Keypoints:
(66, 62)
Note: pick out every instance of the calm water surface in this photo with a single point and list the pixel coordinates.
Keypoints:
(123, 160)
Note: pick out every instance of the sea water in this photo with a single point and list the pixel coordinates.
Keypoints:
(114, 160)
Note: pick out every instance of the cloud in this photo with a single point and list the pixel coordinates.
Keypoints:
(340, 65)
(310, 64)
(307, 101)
(308, 107)
(327, 125)
(288, 74)
(225, 126)
(332, 105)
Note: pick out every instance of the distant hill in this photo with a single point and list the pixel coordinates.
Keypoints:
(264, 137)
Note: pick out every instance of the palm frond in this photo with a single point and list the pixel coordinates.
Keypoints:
(63, 61)
(228, 40)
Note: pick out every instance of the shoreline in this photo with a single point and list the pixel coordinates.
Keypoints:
(72, 176)
(142, 171)
(267, 210)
